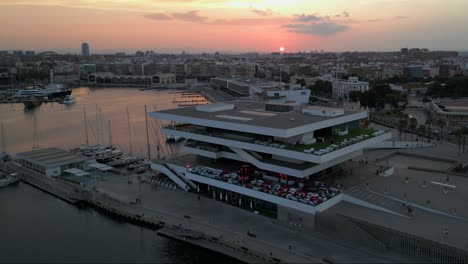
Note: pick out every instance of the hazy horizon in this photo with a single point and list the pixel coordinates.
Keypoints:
(229, 26)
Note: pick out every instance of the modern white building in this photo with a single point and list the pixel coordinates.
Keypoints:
(266, 156)
(264, 91)
(342, 88)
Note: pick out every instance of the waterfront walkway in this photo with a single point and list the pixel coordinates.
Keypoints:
(230, 225)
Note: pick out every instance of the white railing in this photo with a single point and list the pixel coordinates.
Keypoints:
(163, 169)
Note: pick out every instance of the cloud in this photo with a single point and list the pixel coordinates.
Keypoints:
(320, 29)
(308, 18)
(191, 16)
(401, 17)
(263, 12)
(158, 16)
(250, 21)
(374, 20)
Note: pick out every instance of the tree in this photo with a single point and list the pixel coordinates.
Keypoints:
(412, 125)
(458, 135)
(428, 124)
(402, 124)
(260, 75)
(285, 77)
(422, 129)
(301, 81)
(321, 88)
(442, 124)
(354, 96)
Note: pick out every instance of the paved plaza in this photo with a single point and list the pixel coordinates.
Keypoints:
(220, 218)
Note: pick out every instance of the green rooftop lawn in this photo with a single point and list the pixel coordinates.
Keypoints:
(334, 139)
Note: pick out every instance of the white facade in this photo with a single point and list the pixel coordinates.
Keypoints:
(166, 78)
(300, 96)
(276, 139)
(342, 88)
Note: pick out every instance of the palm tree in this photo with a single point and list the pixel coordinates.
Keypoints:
(402, 123)
(458, 134)
(442, 124)
(428, 124)
(412, 125)
(463, 132)
(422, 130)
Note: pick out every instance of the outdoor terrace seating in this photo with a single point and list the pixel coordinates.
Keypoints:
(323, 145)
(265, 185)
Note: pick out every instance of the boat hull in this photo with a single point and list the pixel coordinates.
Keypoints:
(31, 104)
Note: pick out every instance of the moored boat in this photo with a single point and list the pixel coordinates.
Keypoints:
(8, 180)
(69, 99)
(32, 103)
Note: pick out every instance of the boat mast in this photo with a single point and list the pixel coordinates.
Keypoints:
(86, 126)
(147, 135)
(129, 132)
(35, 145)
(3, 139)
(101, 126)
(97, 125)
(110, 134)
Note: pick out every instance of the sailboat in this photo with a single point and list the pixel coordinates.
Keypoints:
(3, 154)
(99, 151)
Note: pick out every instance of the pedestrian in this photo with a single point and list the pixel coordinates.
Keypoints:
(289, 248)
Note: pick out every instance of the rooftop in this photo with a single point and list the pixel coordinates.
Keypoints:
(251, 116)
(51, 157)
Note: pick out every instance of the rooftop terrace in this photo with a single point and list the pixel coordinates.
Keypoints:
(326, 144)
(251, 116)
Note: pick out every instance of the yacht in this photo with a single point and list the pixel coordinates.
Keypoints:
(69, 99)
(50, 91)
(8, 180)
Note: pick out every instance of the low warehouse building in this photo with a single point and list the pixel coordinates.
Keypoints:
(51, 161)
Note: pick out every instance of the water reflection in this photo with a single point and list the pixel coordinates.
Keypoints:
(63, 126)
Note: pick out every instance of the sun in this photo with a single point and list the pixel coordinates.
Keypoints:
(282, 49)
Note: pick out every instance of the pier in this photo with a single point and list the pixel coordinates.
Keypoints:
(186, 228)
(20, 101)
(205, 223)
(65, 191)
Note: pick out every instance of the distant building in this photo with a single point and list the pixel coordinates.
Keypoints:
(86, 70)
(342, 88)
(29, 53)
(453, 111)
(449, 70)
(85, 49)
(164, 78)
(308, 80)
(404, 52)
(109, 79)
(391, 71)
(264, 91)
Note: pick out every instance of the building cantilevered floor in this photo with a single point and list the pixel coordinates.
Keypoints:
(275, 155)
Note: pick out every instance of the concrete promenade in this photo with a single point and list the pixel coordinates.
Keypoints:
(223, 227)
(230, 225)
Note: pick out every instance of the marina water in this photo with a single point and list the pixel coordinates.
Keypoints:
(37, 227)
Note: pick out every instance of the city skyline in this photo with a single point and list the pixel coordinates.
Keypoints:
(233, 26)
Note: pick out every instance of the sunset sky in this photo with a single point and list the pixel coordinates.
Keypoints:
(233, 25)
